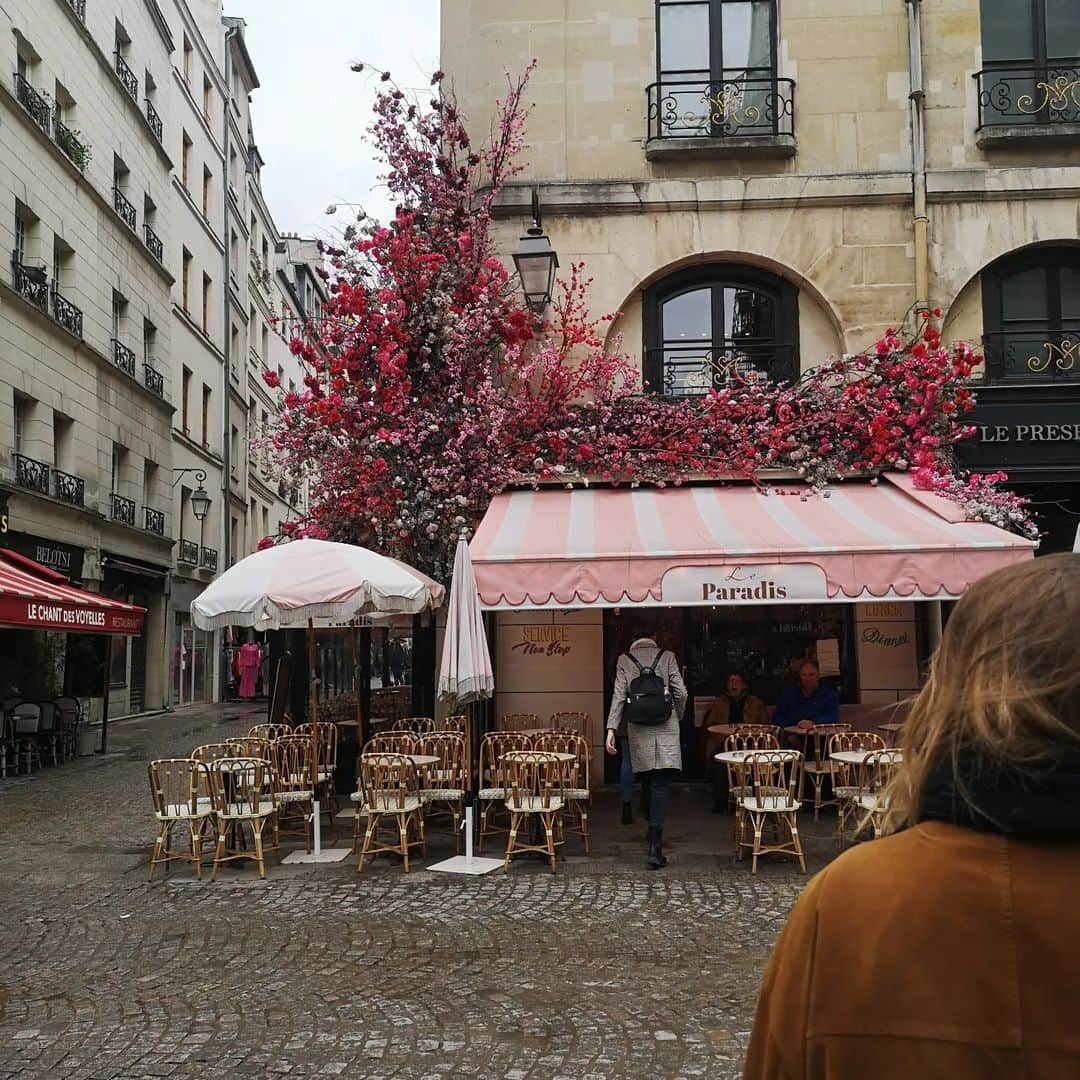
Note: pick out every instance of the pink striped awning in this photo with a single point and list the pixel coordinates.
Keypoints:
(731, 545)
(45, 601)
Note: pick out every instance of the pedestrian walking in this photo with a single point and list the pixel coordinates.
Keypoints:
(650, 697)
(950, 947)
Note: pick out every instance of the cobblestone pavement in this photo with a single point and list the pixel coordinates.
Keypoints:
(604, 969)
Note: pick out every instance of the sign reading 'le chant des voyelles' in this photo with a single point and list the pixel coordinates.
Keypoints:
(72, 617)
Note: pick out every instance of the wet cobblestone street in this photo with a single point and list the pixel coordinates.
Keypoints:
(604, 969)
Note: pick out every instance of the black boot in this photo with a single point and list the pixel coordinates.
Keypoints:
(656, 847)
(628, 813)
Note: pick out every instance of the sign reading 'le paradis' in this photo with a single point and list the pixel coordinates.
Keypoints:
(55, 616)
(543, 641)
(749, 584)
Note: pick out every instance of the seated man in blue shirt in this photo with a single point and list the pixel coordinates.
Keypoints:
(801, 707)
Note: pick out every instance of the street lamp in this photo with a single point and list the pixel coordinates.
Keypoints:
(536, 261)
(200, 500)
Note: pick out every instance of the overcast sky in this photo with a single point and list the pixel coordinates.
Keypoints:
(311, 112)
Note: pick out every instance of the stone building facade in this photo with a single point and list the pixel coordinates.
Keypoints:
(129, 182)
(764, 184)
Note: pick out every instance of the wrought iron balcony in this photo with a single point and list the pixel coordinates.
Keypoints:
(67, 314)
(123, 357)
(693, 370)
(1032, 356)
(155, 381)
(69, 489)
(123, 510)
(208, 560)
(34, 103)
(128, 77)
(153, 243)
(189, 553)
(154, 120)
(740, 105)
(1029, 96)
(124, 208)
(154, 520)
(79, 7)
(75, 150)
(32, 475)
(30, 282)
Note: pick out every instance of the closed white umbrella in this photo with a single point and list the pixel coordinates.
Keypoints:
(313, 583)
(465, 675)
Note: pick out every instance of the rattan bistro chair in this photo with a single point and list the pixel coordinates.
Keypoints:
(775, 779)
(444, 786)
(818, 766)
(180, 790)
(248, 746)
(574, 778)
(875, 774)
(328, 751)
(531, 788)
(397, 742)
(269, 732)
(71, 714)
(243, 801)
(491, 797)
(520, 722)
(390, 800)
(8, 745)
(26, 728)
(208, 753)
(846, 776)
(577, 722)
(292, 785)
(744, 738)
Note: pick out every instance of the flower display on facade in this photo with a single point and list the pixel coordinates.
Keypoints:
(429, 388)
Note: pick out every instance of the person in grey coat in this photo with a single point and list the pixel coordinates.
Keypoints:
(655, 749)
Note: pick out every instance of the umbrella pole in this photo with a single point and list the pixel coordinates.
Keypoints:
(314, 708)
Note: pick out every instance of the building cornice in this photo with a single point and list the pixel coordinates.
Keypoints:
(1003, 184)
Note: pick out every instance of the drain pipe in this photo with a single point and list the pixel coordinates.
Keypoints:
(226, 443)
(917, 102)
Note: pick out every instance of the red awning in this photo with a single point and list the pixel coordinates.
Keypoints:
(32, 600)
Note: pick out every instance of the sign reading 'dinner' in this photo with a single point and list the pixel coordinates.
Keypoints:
(752, 583)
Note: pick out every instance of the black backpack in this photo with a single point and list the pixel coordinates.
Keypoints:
(648, 700)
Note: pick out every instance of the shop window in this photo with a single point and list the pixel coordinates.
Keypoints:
(717, 73)
(716, 326)
(1031, 316)
(1031, 57)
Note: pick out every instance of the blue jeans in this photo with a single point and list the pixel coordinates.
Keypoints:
(626, 771)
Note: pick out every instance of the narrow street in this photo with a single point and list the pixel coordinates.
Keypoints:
(601, 970)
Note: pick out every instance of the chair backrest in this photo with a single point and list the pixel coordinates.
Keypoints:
(211, 752)
(449, 748)
(818, 747)
(393, 742)
(387, 780)
(246, 746)
(530, 772)
(759, 729)
(26, 718)
(492, 747)
(742, 739)
(177, 784)
(418, 725)
(570, 721)
(292, 763)
(520, 722)
(855, 740)
(458, 724)
(776, 774)
(269, 732)
(70, 710)
(878, 769)
(575, 774)
(51, 719)
(239, 784)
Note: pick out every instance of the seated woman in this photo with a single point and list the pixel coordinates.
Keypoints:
(735, 706)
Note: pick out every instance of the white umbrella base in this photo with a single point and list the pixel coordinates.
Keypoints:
(327, 855)
(461, 864)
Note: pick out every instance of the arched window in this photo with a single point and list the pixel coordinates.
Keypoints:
(1031, 316)
(715, 325)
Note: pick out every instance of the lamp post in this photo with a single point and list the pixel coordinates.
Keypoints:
(200, 499)
(536, 262)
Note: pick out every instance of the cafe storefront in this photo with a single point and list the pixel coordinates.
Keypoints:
(731, 578)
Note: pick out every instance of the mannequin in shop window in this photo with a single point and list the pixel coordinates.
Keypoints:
(250, 664)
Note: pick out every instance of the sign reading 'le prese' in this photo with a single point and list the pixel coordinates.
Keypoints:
(748, 584)
(69, 617)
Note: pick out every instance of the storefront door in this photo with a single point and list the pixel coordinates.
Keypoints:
(191, 663)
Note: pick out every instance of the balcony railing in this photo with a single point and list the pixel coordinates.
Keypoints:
(741, 104)
(154, 521)
(208, 560)
(67, 314)
(128, 77)
(124, 208)
(155, 381)
(32, 475)
(1033, 356)
(123, 357)
(153, 243)
(74, 149)
(189, 553)
(154, 120)
(69, 489)
(79, 7)
(123, 510)
(692, 370)
(34, 103)
(1029, 95)
(30, 282)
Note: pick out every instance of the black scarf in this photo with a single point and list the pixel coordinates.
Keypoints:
(1039, 805)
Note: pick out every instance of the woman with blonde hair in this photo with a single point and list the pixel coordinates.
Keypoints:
(951, 947)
